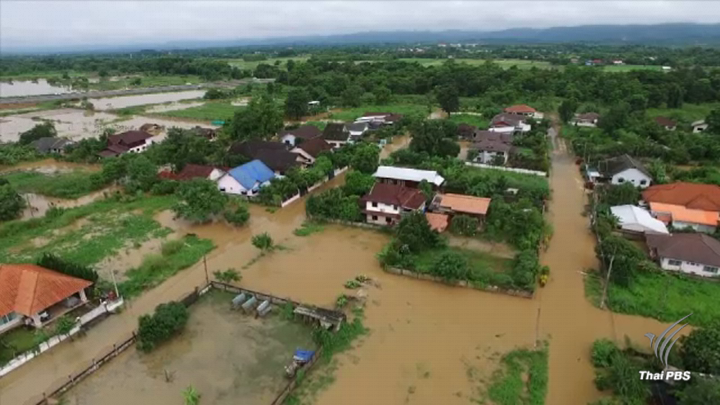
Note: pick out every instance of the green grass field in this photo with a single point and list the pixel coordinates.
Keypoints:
(210, 111)
(521, 379)
(480, 262)
(504, 63)
(349, 114)
(629, 68)
(664, 296)
(64, 185)
(687, 113)
(475, 120)
(251, 65)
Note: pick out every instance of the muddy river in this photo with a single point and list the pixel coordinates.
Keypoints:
(30, 88)
(130, 101)
(429, 343)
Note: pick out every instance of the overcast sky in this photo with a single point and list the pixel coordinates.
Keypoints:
(74, 23)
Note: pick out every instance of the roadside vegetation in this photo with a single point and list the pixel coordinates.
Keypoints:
(210, 111)
(521, 379)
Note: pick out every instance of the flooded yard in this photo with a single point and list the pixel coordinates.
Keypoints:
(38, 205)
(173, 107)
(19, 88)
(112, 103)
(228, 357)
(70, 123)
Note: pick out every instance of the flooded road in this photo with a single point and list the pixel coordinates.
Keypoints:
(398, 142)
(157, 98)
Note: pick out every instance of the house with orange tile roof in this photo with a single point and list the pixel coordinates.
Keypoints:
(681, 217)
(691, 195)
(438, 222)
(458, 204)
(31, 294)
(521, 109)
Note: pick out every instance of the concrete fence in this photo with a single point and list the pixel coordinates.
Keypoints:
(55, 340)
(460, 283)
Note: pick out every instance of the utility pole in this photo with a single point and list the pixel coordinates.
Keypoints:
(207, 278)
(607, 280)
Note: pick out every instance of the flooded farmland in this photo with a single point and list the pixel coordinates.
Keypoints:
(173, 107)
(111, 103)
(38, 205)
(19, 88)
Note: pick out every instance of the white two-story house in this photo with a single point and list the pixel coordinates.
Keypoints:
(386, 203)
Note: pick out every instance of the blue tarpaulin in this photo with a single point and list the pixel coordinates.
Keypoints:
(304, 355)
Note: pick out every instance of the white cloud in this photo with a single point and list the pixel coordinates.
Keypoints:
(74, 23)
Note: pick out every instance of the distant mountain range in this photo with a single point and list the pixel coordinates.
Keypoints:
(657, 34)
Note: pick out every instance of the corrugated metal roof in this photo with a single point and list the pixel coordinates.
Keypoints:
(637, 219)
(408, 174)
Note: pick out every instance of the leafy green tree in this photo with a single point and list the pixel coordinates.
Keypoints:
(622, 194)
(464, 225)
(199, 200)
(415, 234)
(261, 119)
(333, 204)
(713, 121)
(567, 109)
(263, 242)
(701, 391)
(296, 105)
(451, 266)
(44, 130)
(215, 94)
(352, 96)
(675, 96)
(627, 258)
(427, 190)
(227, 276)
(239, 216)
(435, 137)
(382, 95)
(358, 183)
(142, 173)
(11, 203)
(169, 319)
(621, 376)
(64, 325)
(700, 350)
(56, 263)
(365, 158)
(448, 97)
(183, 146)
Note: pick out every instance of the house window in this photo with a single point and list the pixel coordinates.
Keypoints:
(672, 262)
(389, 220)
(621, 180)
(374, 204)
(7, 318)
(643, 182)
(374, 217)
(710, 269)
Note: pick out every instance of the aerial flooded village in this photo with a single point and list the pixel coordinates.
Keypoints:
(411, 217)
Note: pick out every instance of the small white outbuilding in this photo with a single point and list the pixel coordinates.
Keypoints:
(637, 220)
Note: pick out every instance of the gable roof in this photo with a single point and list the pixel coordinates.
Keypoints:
(698, 122)
(438, 222)
(314, 147)
(504, 119)
(28, 289)
(129, 137)
(683, 214)
(613, 166)
(303, 131)
(335, 131)
(377, 114)
(191, 171)
(691, 195)
(589, 116)
(392, 194)
(492, 145)
(251, 173)
(520, 108)
(357, 126)
(466, 130)
(637, 219)
(464, 203)
(408, 174)
(44, 145)
(277, 160)
(665, 122)
(692, 247)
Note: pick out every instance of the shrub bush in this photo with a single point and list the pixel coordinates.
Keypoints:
(168, 319)
(171, 247)
(53, 262)
(263, 241)
(239, 216)
(464, 225)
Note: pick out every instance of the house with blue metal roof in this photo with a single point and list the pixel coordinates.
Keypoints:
(246, 179)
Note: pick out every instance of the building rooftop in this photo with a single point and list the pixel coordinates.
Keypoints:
(691, 195)
(392, 194)
(520, 108)
(692, 247)
(408, 174)
(27, 289)
(636, 218)
(251, 173)
(304, 131)
(683, 214)
(464, 203)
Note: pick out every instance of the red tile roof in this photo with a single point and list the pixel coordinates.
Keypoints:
(691, 195)
(665, 122)
(129, 137)
(27, 289)
(191, 171)
(392, 194)
(438, 222)
(521, 108)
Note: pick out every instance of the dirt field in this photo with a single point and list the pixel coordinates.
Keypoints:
(229, 358)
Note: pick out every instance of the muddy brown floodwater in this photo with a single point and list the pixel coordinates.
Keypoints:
(48, 166)
(429, 343)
